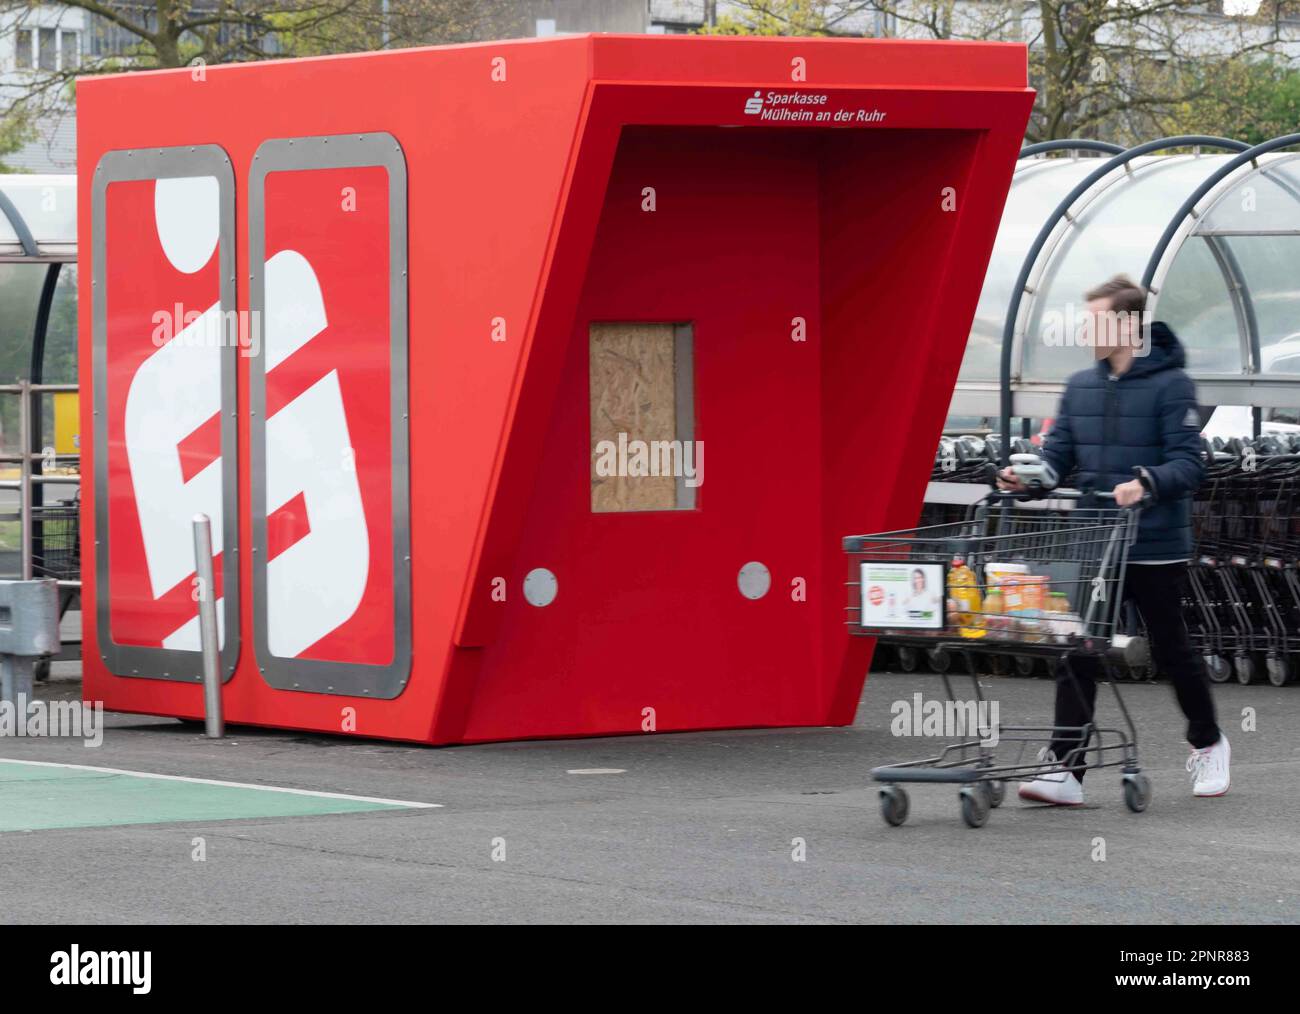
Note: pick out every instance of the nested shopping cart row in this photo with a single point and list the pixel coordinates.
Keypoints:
(1244, 607)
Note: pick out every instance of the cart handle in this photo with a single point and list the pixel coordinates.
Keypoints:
(1063, 494)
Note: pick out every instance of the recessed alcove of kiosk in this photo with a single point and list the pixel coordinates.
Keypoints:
(609, 243)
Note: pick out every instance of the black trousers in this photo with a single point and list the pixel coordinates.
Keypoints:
(1157, 591)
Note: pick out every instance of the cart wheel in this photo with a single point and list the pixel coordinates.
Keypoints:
(893, 805)
(1137, 792)
(41, 670)
(1220, 671)
(1278, 670)
(974, 806)
(1245, 666)
(908, 659)
(997, 793)
(940, 659)
(1025, 665)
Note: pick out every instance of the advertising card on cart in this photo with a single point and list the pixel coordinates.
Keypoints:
(902, 595)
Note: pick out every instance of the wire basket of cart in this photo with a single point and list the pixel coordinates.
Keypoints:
(1034, 577)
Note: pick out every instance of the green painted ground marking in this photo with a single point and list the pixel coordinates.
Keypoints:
(39, 795)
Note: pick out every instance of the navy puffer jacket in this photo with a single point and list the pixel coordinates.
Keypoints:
(1147, 416)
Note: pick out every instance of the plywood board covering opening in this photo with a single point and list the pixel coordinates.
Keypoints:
(641, 397)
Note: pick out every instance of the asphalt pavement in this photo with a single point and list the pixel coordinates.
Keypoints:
(757, 826)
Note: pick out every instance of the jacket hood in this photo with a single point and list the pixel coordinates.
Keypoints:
(1167, 353)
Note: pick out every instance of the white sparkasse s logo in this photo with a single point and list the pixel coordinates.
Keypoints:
(102, 968)
(316, 584)
(754, 104)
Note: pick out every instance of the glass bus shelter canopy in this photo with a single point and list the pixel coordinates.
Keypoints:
(1231, 290)
(38, 289)
(45, 209)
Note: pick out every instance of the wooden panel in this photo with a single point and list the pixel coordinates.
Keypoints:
(633, 398)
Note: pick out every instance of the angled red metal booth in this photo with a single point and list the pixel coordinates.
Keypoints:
(387, 318)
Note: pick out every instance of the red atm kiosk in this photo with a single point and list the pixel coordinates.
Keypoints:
(530, 385)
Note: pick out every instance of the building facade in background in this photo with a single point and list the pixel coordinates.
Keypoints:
(36, 42)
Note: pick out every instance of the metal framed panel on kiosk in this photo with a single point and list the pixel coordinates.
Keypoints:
(330, 500)
(164, 355)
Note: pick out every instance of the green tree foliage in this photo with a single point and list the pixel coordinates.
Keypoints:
(1123, 70)
(1252, 102)
(15, 131)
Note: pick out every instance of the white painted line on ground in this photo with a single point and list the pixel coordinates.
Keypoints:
(596, 771)
(229, 785)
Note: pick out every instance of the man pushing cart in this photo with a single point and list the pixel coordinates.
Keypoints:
(1056, 571)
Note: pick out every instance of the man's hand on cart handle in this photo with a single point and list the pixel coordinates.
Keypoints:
(1010, 482)
(1027, 473)
(1137, 490)
(1129, 493)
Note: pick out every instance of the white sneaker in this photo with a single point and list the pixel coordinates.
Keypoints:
(1060, 788)
(1209, 768)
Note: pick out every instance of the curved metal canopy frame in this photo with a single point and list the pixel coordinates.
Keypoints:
(40, 325)
(1071, 144)
(25, 238)
(1184, 220)
(1243, 305)
(1062, 211)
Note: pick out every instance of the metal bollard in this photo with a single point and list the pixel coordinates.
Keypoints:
(29, 628)
(214, 724)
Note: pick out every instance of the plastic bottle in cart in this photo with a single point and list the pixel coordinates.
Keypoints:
(996, 620)
(965, 591)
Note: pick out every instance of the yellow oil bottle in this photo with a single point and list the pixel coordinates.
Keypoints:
(964, 590)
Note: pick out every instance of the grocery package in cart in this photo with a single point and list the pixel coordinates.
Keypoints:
(1037, 577)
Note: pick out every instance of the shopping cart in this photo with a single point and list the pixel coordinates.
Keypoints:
(1054, 569)
(56, 540)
